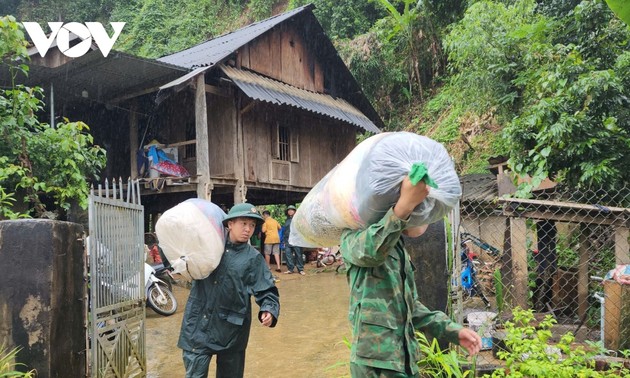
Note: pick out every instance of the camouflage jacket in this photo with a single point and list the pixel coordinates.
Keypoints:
(384, 308)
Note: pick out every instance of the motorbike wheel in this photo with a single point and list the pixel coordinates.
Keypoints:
(326, 260)
(162, 304)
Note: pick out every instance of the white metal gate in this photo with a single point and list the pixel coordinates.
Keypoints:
(116, 277)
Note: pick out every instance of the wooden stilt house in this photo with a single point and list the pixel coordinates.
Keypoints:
(260, 114)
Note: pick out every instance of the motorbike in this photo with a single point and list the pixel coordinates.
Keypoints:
(157, 287)
(159, 292)
(327, 256)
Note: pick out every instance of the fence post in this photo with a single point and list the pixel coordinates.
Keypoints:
(585, 247)
(622, 249)
(516, 250)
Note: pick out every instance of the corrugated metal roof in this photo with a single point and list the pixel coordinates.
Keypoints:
(214, 51)
(264, 89)
(185, 78)
(479, 187)
(103, 79)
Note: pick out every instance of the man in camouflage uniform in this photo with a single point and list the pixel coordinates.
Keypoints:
(384, 308)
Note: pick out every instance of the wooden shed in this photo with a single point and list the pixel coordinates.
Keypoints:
(260, 114)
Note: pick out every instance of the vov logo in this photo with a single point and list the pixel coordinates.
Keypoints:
(87, 32)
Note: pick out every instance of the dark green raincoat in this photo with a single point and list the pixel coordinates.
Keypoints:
(218, 313)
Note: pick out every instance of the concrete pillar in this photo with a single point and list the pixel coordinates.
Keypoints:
(42, 292)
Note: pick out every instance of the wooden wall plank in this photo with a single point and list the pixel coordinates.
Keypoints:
(243, 56)
(320, 148)
(257, 146)
(318, 83)
(616, 316)
(260, 55)
(282, 54)
(275, 47)
(291, 55)
(222, 134)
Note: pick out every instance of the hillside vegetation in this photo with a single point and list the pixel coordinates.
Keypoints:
(545, 84)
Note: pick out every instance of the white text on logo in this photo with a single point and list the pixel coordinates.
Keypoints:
(62, 33)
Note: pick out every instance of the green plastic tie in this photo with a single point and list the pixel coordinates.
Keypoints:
(419, 172)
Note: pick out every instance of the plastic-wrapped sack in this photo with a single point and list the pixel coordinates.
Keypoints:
(192, 237)
(621, 274)
(360, 189)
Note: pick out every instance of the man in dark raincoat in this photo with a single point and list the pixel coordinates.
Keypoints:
(218, 314)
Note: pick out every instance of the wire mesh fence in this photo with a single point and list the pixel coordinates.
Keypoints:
(549, 253)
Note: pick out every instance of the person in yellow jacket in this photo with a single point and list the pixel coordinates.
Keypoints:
(272, 239)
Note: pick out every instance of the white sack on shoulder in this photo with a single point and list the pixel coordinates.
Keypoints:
(360, 189)
(193, 231)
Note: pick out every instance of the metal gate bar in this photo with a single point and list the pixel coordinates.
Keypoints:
(116, 269)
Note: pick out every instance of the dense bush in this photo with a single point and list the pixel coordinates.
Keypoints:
(38, 162)
(556, 85)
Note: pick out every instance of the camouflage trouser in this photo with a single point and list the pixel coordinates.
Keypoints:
(362, 371)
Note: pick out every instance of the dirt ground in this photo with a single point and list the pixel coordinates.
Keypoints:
(308, 340)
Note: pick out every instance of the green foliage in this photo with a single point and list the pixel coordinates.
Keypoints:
(412, 32)
(436, 362)
(499, 289)
(530, 352)
(343, 19)
(369, 60)
(160, 27)
(37, 160)
(399, 60)
(8, 366)
(559, 85)
(484, 52)
(44, 11)
(574, 125)
(621, 9)
(567, 247)
(277, 212)
(64, 176)
(554, 75)
(261, 9)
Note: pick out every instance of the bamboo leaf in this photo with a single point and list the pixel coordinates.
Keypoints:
(621, 8)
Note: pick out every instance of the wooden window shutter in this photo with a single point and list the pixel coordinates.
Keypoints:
(275, 146)
(295, 147)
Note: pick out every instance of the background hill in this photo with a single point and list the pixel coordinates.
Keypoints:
(546, 84)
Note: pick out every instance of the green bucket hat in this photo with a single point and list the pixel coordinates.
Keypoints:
(243, 210)
(290, 207)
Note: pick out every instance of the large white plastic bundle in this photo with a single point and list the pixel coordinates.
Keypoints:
(192, 237)
(360, 189)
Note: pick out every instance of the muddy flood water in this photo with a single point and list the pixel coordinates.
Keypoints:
(308, 340)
